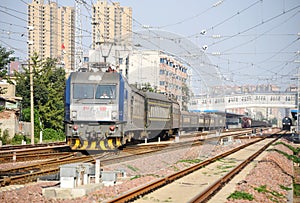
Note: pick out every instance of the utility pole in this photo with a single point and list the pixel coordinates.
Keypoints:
(298, 98)
(298, 95)
(31, 103)
(78, 35)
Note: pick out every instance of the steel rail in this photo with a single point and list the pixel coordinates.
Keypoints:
(217, 185)
(27, 146)
(140, 191)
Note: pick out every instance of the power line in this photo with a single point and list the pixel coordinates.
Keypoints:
(192, 17)
(13, 15)
(227, 19)
(257, 25)
(263, 34)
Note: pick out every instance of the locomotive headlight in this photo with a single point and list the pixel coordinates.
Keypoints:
(74, 114)
(75, 127)
(114, 115)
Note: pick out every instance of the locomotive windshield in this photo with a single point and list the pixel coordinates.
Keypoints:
(83, 91)
(106, 91)
(91, 91)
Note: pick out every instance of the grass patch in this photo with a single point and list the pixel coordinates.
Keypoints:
(294, 158)
(285, 188)
(275, 194)
(175, 168)
(224, 167)
(241, 195)
(154, 175)
(190, 161)
(231, 160)
(297, 190)
(132, 168)
(261, 189)
(295, 150)
(135, 177)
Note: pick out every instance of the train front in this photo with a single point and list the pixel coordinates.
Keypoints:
(94, 109)
(286, 123)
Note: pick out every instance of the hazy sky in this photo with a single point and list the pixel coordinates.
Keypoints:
(249, 41)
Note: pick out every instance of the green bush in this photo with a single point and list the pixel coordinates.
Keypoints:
(53, 135)
(17, 139)
(5, 137)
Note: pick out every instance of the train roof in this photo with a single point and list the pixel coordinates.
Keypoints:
(208, 111)
(136, 90)
(158, 96)
(94, 77)
(228, 115)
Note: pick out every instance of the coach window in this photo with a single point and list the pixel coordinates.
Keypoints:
(106, 91)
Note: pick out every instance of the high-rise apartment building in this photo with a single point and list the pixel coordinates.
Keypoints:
(51, 32)
(111, 23)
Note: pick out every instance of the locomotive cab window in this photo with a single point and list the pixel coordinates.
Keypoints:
(83, 91)
(106, 92)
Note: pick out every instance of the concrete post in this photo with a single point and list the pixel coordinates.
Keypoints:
(14, 156)
(41, 136)
(97, 171)
(177, 137)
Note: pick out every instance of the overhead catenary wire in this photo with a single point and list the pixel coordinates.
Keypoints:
(256, 37)
(223, 37)
(255, 26)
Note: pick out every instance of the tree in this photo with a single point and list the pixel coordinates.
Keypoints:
(48, 87)
(148, 88)
(4, 60)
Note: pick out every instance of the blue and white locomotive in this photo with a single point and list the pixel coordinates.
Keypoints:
(103, 112)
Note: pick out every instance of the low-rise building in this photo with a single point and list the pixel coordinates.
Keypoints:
(10, 110)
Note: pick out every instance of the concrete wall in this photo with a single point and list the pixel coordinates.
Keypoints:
(24, 128)
(8, 121)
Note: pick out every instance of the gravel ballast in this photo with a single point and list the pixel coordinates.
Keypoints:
(275, 171)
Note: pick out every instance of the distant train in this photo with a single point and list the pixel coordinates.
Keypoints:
(287, 123)
(248, 122)
(104, 112)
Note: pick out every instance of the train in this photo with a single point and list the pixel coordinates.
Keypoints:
(248, 122)
(287, 123)
(104, 112)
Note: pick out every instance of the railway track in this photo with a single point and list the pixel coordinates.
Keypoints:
(37, 153)
(30, 172)
(184, 186)
(137, 151)
(28, 146)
